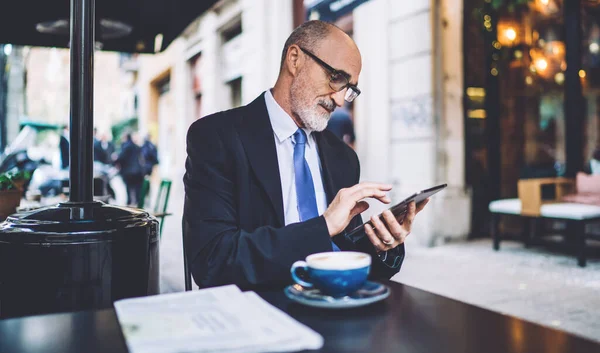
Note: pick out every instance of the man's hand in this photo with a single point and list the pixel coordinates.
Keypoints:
(348, 203)
(393, 232)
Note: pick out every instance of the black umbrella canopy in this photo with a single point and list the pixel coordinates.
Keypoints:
(137, 22)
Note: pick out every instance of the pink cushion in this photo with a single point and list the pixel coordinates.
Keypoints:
(588, 184)
(586, 199)
(588, 190)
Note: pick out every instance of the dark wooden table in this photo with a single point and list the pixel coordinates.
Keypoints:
(410, 320)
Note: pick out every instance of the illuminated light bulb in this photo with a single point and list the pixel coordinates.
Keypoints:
(594, 48)
(582, 73)
(518, 54)
(510, 34)
(544, 2)
(529, 80)
(559, 78)
(541, 64)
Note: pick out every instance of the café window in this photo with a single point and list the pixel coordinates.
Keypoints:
(530, 67)
(532, 123)
(515, 57)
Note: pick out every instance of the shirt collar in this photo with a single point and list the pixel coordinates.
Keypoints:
(283, 125)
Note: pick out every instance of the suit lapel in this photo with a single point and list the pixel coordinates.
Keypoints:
(256, 134)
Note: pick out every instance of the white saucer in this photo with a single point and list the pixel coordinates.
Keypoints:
(371, 292)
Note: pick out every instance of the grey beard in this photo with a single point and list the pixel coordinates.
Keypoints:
(312, 120)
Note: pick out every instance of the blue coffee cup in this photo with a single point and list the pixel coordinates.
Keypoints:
(333, 273)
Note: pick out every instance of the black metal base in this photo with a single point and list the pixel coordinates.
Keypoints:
(574, 236)
(52, 261)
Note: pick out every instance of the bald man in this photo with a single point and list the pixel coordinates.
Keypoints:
(266, 184)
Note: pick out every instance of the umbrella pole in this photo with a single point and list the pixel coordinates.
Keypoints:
(82, 100)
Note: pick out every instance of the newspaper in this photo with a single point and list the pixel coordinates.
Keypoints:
(221, 319)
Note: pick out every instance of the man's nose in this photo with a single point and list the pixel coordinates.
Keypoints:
(338, 97)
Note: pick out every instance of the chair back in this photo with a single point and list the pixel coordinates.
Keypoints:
(144, 193)
(187, 276)
(162, 199)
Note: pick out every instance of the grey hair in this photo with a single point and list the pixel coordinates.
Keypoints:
(307, 36)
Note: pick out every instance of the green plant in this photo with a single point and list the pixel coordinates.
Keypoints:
(13, 180)
(510, 5)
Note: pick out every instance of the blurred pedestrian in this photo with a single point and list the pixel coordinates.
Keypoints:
(341, 125)
(64, 148)
(103, 149)
(150, 154)
(131, 162)
(98, 152)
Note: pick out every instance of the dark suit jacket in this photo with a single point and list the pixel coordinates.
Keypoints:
(233, 220)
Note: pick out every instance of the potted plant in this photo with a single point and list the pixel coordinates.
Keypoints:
(11, 191)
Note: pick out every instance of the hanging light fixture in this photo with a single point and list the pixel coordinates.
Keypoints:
(106, 29)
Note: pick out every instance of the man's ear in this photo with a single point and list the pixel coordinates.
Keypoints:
(293, 59)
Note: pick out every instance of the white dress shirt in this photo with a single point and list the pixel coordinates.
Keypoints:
(284, 128)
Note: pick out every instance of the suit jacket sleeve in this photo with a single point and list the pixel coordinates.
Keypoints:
(219, 251)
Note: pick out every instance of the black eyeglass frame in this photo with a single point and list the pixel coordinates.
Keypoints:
(333, 72)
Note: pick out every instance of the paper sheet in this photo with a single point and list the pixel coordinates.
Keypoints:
(221, 319)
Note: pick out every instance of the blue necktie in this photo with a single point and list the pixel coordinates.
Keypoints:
(305, 188)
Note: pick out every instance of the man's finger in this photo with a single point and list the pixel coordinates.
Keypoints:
(392, 224)
(371, 185)
(379, 246)
(410, 216)
(366, 193)
(382, 232)
(360, 207)
(421, 205)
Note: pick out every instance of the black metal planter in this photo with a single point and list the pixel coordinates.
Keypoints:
(50, 262)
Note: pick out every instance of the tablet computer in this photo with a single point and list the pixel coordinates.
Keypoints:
(400, 209)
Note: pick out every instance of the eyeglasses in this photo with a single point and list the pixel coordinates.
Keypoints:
(338, 80)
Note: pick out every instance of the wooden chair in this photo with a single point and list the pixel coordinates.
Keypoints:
(534, 193)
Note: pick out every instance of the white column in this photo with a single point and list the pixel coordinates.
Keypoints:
(455, 215)
(409, 119)
(413, 129)
(372, 118)
(266, 24)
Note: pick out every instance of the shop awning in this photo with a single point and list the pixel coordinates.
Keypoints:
(151, 24)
